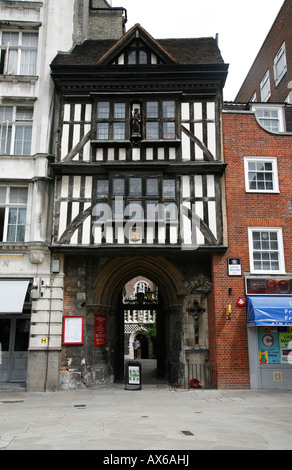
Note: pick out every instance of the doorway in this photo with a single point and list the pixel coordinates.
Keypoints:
(140, 317)
(14, 339)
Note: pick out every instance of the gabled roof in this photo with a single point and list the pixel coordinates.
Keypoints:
(136, 32)
(170, 51)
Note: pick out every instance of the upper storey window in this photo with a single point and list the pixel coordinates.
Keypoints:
(265, 87)
(13, 205)
(152, 120)
(280, 64)
(18, 52)
(111, 123)
(160, 120)
(15, 130)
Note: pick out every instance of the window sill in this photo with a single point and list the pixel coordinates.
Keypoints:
(161, 142)
(111, 143)
(143, 143)
(19, 78)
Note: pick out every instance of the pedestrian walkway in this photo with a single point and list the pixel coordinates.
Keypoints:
(156, 418)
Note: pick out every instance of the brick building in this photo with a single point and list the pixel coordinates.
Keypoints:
(270, 76)
(253, 351)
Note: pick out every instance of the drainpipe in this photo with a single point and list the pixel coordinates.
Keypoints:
(125, 19)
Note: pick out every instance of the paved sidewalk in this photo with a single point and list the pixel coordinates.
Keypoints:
(155, 418)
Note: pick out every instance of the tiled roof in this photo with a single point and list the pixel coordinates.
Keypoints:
(183, 51)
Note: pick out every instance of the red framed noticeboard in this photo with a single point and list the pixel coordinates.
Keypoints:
(73, 329)
(100, 330)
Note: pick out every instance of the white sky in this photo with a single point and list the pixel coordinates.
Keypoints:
(242, 27)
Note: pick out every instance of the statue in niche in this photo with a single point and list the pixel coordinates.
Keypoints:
(136, 123)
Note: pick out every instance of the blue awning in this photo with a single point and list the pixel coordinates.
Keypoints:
(269, 310)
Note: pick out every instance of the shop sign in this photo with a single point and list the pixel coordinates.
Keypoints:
(100, 330)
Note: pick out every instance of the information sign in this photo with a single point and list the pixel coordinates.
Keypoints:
(73, 329)
(100, 330)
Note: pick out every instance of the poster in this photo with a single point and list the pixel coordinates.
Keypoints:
(134, 375)
(73, 330)
(100, 330)
(269, 348)
(285, 342)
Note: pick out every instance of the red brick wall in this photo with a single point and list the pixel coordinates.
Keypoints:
(280, 31)
(242, 136)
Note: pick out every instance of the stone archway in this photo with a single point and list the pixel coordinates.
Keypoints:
(119, 270)
(107, 296)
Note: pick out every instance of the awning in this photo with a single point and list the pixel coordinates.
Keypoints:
(269, 310)
(12, 295)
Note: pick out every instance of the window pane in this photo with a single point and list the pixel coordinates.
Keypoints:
(135, 210)
(152, 187)
(142, 57)
(135, 187)
(24, 114)
(169, 130)
(119, 110)
(168, 188)
(10, 38)
(152, 130)
(11, 68)
(102, 131)
(20, 233)
(102, 188)
(12, 218)
(170, 211)
(18, 195)
(168, 109)
(6, 113)
(2, 195)
(132, 57)
(119, 131)
(21, 216)
(152, 210)
(103, 109)
(22, 141)
(30, 39)
(118, 187)
(28, 63)
(22, 335)
(5, 325)
(152, 109)
(118, 208)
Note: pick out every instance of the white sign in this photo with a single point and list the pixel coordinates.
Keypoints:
(234, 266)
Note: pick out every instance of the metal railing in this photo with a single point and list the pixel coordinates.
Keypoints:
(191, 376)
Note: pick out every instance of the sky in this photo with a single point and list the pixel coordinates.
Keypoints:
(242, 27)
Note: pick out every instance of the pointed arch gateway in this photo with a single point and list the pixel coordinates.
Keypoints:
(120, 270)
(108, 287)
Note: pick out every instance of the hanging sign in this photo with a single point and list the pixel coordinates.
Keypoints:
(234, 266)
(100, 330)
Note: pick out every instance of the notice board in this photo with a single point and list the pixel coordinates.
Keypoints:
(100, 330)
